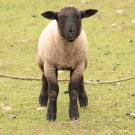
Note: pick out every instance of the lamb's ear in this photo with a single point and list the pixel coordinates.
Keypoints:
(50, 15)
(88, 13)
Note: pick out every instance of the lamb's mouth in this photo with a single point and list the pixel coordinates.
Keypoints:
(70, 39)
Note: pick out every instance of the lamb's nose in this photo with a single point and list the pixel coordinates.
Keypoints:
(70, 33)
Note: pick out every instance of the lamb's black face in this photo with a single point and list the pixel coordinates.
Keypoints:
(69, 21)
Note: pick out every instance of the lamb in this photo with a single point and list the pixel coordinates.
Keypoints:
(63, 46)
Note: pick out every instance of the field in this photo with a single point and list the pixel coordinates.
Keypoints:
(111, 56)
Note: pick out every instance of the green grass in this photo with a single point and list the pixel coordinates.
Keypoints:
(111, 56)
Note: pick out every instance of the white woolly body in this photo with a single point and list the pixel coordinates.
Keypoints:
(56, 51)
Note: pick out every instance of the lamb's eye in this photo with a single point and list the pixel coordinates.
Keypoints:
(62, 18)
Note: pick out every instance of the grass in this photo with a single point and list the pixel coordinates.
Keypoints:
(111, 56)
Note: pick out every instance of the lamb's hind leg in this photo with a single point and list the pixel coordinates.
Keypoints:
(83, 100)
(43, 98)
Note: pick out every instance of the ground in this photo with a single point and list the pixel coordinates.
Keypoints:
(111, 36)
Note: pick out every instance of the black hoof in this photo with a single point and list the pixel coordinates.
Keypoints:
(43, 100)
(74, 115)
(51, 117)
(83, 101)
(74, 119)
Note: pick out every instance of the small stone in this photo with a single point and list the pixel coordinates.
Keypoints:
(40, 108)
(33, 15)
(5, 107)
(113, 25)
(133, 21)
(130, 41)
(131, 114)
(121, 12)
(12, 116)
(83, 1)
(133, 94)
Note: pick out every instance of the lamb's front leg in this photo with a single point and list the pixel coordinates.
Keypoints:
(43, 98)
(53, 90)
(75, 79)
(73, 107)
(83, 99)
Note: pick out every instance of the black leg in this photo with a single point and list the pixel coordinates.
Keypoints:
(52, 106)
(53, 91)
(83, 99)
(43, 98)
(73, 107)
(73, 94)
